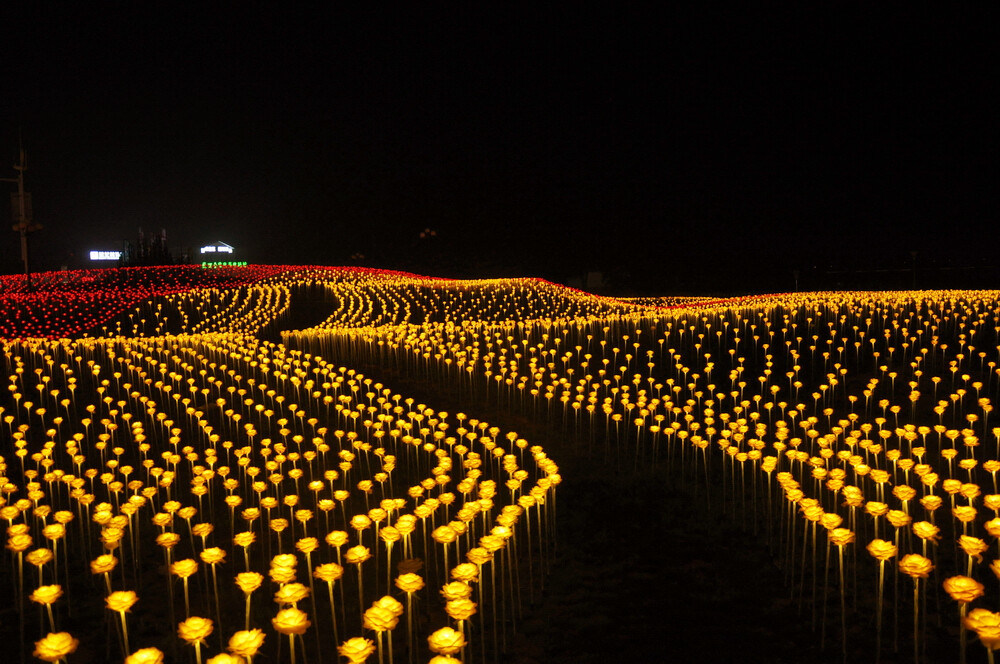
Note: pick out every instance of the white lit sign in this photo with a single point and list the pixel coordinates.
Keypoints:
(105, 255)
(222, 249)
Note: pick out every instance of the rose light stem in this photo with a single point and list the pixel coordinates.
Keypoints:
(361, 593)
(333, 613)
(125, 632)
(962, 632)
(843, 603)
(916, 623)
(878, 615)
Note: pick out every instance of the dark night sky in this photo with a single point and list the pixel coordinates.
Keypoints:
(673, 149)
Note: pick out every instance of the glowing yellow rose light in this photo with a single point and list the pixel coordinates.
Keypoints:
(121, 601)
(292, 622)
(357, 555)
(330, 572)
(917, 567)
(460, 609)
(225, 658)
(456, 590)
(986, 625)
(245, 540)
(963, 589)
(145, 656)
(973, 548)
(246, 643)
(55, 646)
(184, 569)
(47, 596)
(840, 537)
(194, 631)
(882, 551)
(356, 650)
(291, 593)
(446, 641)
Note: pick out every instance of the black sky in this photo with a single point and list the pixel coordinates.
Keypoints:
(671, 149)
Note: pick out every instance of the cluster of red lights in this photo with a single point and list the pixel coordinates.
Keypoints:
(69, 303)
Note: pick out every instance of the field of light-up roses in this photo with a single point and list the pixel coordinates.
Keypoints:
(214, 465)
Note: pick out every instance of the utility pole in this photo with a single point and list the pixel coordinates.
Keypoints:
(21, 208)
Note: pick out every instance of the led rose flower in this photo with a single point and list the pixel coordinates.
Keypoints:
(446, 641)
(184, 568)
(245, 539)
(480, 556)
(465, 572)
(328, 572)
(356, 650)
(963, 589)
(986, 625)
(291, 621)
(409, 583)
(336, 538)
(881, 550)
(456, 590)
(331, 572)
(831, 520)
(443, 659)
(840, 536)
(357, 554)
(225, 658)
(20, 543)
(246, 643)
(915, 565)
(931, 502)
(460, 609)
(307, 544)
(168, 540)
(46, 595)
(291, 593)
(55, 646)
(145, 656)
(926, 531)
(282, 574)
(195, 630)
(444, 534)
(39, 557)
(379, 619)
(360, 522)
(249, 581)
(213, 555)
(391, 604)
(898, 518)
(973, 546)
(120, 602)
(876, 508)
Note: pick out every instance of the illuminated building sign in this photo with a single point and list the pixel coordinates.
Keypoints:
(217, 248)
(105, 255)
(223, 264)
